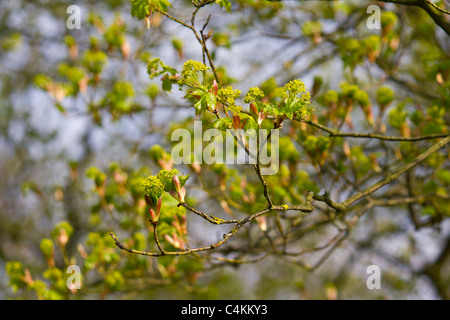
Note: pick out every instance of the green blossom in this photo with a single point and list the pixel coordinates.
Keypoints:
(153, 187)
(46, 247)
(166, 177)
(397, 116)
(294, 87)
(163, 181)
(94, 61)
(385, 96)
(306, 97)
(190, 69)
(349, 90)
(253, 94)
(228, 94)
(388, 19)
(157, 153)
(304, 111)
(362, 98)
(331, 97)
(16, 274)
(62, 228)
(292, 105)
(97, 175)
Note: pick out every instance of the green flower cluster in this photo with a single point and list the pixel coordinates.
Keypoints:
(331, 97)
(97, 175)
(153, 187)
(293, 105)
(163, 181)
(190, 69)
(253, 94)
(362, 98)
(166, 176)
(306, 97)
(294, 87)
(388, 19)
(228, 95)
(385, 96)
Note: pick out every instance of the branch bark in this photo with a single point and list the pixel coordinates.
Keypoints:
(436, 13)
(391, 177)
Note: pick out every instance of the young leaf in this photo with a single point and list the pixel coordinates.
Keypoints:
(140, 8)
(222, 123)
(167, 84)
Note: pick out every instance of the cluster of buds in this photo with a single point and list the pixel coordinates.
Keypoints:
(260, 115)
(180, 192)
(154, 209)
(155, 186)
(161, 158)
(238, 123)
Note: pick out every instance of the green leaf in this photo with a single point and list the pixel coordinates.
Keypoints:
(167, 84)
(140, 8)
(222, 123)
(251, 124)
(163, 4)
(200, 106)
(271, 109)
(207, 101)
(156, 67)
(210, 100)
(224, 4)
(183, 179)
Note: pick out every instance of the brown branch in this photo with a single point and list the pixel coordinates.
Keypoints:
(430, 8)
(396, 174)
(178, 253)
(391, 177)
(306, 208)
(155, 235)
(197, 36)
(212, 219)
(437, 7)
(332, 133)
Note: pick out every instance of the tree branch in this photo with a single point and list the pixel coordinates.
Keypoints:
(344, 205)
(333, 133)
(434, 11)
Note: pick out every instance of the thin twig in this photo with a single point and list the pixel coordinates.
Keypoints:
(333, 133)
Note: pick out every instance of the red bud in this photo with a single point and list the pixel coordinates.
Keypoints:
(253, 108)
(215, 86)
(176, 183)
